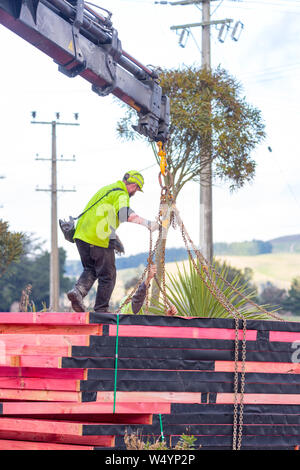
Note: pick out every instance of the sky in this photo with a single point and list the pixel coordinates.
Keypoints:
(265, 60)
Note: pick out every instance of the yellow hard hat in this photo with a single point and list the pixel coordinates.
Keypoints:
(133, 176)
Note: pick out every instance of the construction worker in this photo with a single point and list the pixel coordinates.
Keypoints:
(96, 240)
(137, 301)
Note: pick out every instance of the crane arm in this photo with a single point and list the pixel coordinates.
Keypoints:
(85, 43)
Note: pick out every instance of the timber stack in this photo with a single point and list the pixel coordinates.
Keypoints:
(80, 381)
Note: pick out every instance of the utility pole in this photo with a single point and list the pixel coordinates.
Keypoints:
(206, 219)
(54, 255)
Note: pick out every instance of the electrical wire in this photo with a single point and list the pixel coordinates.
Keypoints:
(253, 4)
(220, 3)
(287, 183)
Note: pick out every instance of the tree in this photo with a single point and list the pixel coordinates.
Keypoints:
(11, 246)
(242, 277)
(208, 117)
(292, 301)
(273, 294)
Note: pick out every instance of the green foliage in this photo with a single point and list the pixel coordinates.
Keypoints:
(192, 298)
(273, 294)
(186, 442)
(134, 441)
(11, 246)
(32, 268)
(208, 117)
(292, 302)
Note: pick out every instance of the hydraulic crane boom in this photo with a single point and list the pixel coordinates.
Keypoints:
(83, 42)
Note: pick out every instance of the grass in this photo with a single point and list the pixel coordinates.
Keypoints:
(278, 268)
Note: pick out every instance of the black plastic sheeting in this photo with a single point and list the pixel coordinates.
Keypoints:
(158, 320)
(250, 409)
(188, 365)
(181, 354)
(261, 344)
(123, 363)
(188, 376)
(201, 387)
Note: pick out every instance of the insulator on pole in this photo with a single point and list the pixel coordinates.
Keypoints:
(184, 35)
(237, 31)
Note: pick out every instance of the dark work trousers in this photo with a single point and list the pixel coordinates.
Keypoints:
(98, 263)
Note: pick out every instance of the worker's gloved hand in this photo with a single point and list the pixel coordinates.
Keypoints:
(151, 273)
(172, 311)
(153, 225)
(118, 245)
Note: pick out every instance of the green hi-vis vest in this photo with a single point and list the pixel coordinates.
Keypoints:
(97, 224)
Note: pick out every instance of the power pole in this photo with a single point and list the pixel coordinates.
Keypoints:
(206, 220)
(54, 255)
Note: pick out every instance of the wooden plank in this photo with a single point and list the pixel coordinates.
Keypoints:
(45, 318)
(41, 426)
(43, 372)
(24, 350)
(267, 367)
(179, 332)
(104, 407)
(95, 330)
(18, 340)
(39, 395)
(23, 383)
(146, 397)
(260, 398)
(27, 445)
(103, 440)
(33, 361)
(94, 418)
(284, 336)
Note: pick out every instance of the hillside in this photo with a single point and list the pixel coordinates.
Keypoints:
(278, 267)
(244, 250)
(287, 244)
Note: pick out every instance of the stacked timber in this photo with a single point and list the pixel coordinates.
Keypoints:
(81, 380)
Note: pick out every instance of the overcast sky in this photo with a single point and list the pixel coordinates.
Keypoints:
(266, 60)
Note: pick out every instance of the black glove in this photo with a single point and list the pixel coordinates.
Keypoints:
(118, 246)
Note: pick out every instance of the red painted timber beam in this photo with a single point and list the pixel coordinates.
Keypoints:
(39, 395)
(47, 373)
(44, 408)
(262, 367)
(27, 445)
(23, 383)
(45, 318)
(179, 332)
(13, 341)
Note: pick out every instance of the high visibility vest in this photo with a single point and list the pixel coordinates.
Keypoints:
(98, 224)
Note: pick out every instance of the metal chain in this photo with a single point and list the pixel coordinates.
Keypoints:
(231, 309)
(148, 265)
(175, 221)
(146, 270)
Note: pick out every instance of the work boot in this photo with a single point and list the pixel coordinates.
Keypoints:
(76, 300)
(103, 310)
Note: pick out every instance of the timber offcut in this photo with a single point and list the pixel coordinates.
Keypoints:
(82, 380)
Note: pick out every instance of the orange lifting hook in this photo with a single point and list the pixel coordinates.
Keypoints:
(163, 160)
